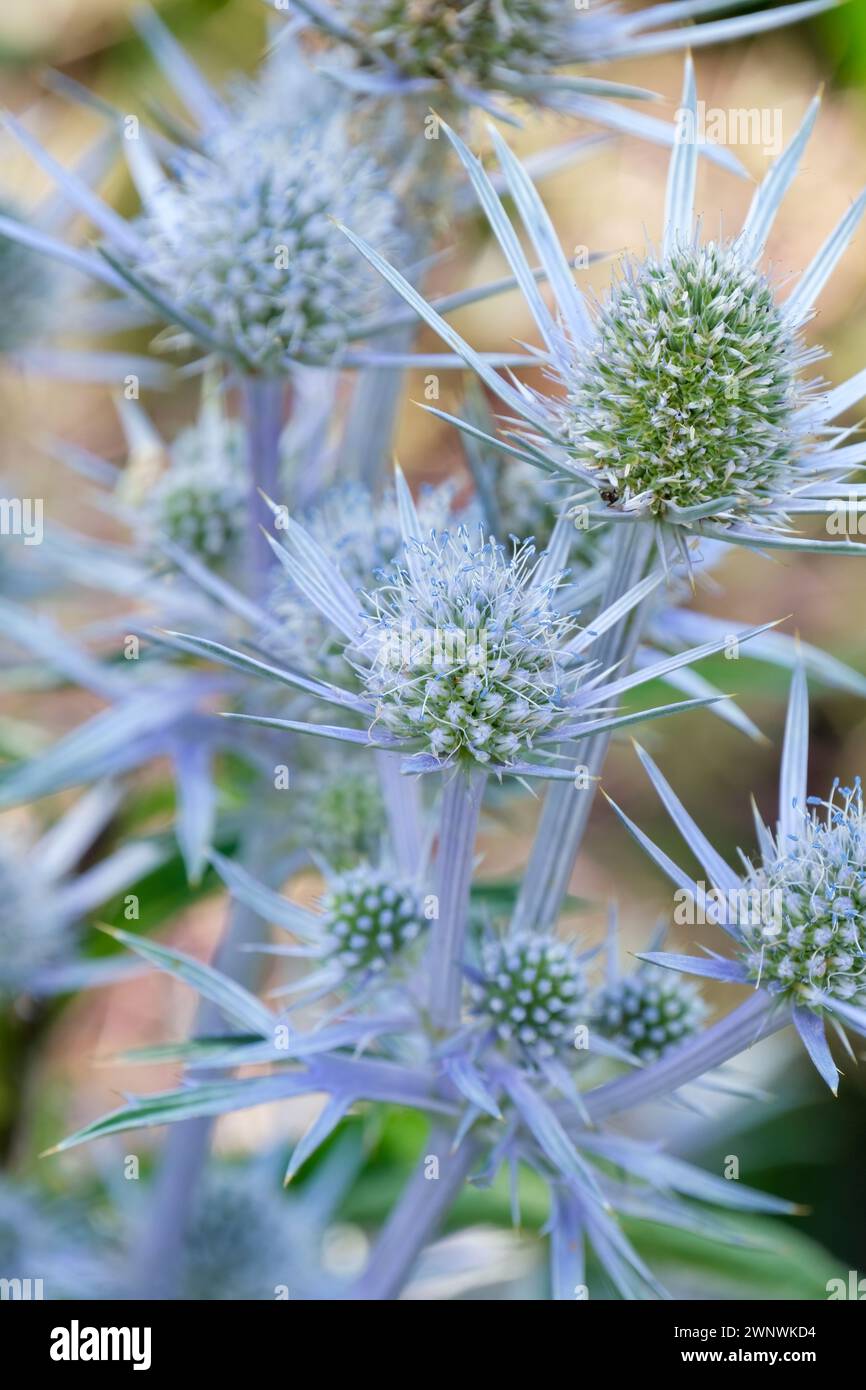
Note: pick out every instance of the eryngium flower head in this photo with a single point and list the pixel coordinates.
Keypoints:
(465, 40)
(532, 991)
(239, 1243)
(798, 916)
(462, 656)
(465, 646)
(473, 48)
(346, 816)
(370, 917)
(690, 390)
(649, 1011)
(682, 397)
(361, 535)
(199, 502)
(815, 942)
(243, 243)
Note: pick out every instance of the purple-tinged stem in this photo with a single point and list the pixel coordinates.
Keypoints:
(263, 412)
(158, 1257)
(458, 823)
(423, 1204)
(565, 813)
(401, 796)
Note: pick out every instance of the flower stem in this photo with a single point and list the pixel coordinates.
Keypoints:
(262, 404)
(378, 391)
(422, 1206)
(566, 809)
(401, 796)
(458, 824)
(158, 1257)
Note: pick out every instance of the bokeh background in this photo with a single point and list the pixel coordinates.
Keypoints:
(797, 1142)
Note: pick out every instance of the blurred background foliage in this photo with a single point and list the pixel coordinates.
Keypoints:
(798, 1144)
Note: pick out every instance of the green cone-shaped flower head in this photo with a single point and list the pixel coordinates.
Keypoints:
(465, 649)
(370, 916)
(462, 39)
(689, 392)
(812, 940)
(533, 992)
(649, 1011)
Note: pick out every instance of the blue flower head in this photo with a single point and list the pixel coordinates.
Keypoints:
(797, 915)
(682, 394)
(532, 989)
(472, 51)
(649, 1011)
(242, 242)
(466, 648)
(813, 946)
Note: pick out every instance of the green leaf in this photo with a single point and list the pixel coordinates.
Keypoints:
(785, 1265)
(189, 1050)
(236, 1002)
(210, 1098)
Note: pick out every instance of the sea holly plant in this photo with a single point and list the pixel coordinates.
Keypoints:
(474, 53)
(687, 332)
(365, 692)
(694, 329)
(461, 657)
(506, 1039)
(795, 914)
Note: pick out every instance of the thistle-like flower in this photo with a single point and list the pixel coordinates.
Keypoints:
(368, 917)
(474, 50)
(185, 497)
(199, 502)
(462, 42)
(817, 881)
(460, 657)
(649, 1011)
(467, 649)
(244, 246)
(797, 916)
(683, 399)
(532, 989)
(235, 248)
(690, 393)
